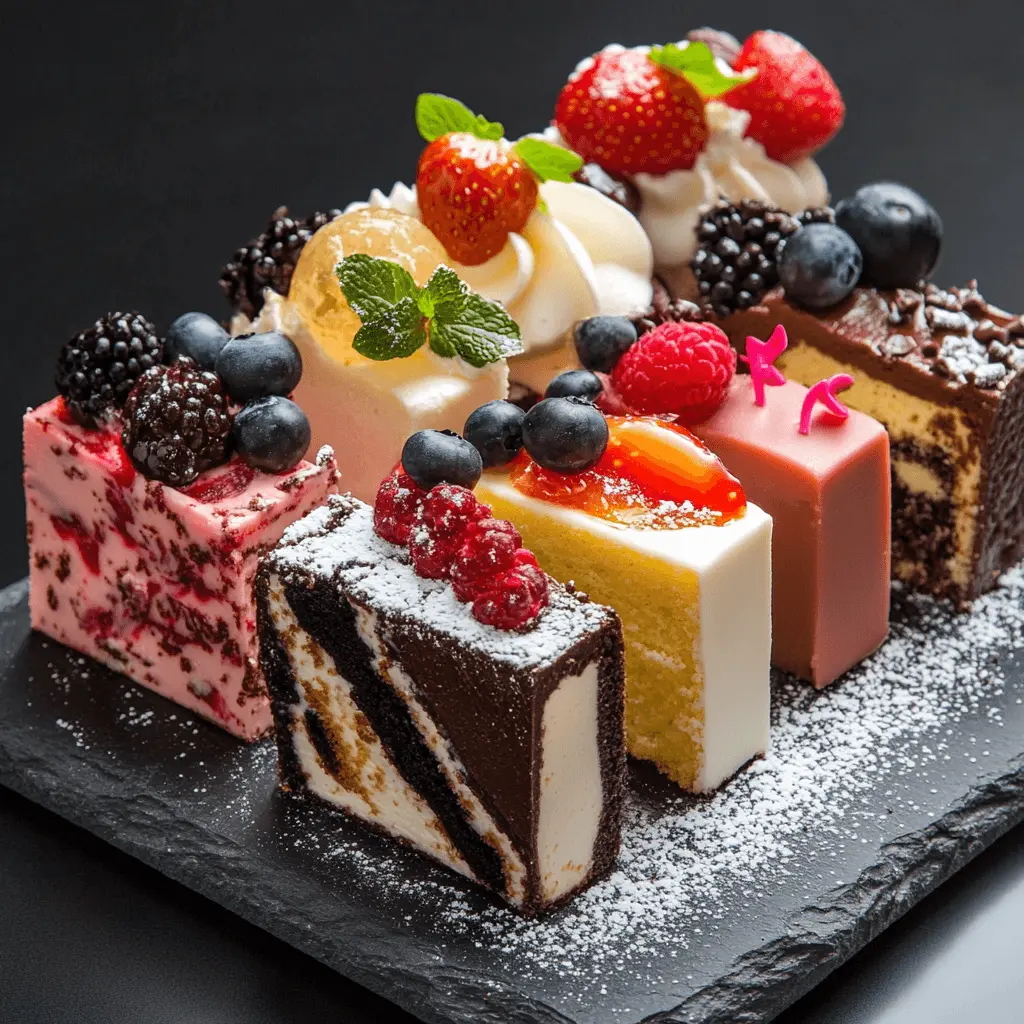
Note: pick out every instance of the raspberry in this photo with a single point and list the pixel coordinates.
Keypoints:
(681, 368)
(449, 509)
(432, 557)
(397, 508)
(509, 601)
(488, 549)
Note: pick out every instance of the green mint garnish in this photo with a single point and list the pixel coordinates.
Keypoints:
(696, 63)
(437, 115)
(548, 161)
(398, 317)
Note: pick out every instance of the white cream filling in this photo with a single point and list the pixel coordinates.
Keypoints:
(380, 795)
(571, 792)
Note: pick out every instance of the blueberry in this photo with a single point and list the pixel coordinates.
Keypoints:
(197, 336)
(433, 457)
(565, 434)
(495, 430)
(257, 365)
(271, 434)
(601, 341)
(898, 231)
(819, 265)
(575, 384)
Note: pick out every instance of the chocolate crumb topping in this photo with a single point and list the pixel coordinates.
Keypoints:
(897, 345)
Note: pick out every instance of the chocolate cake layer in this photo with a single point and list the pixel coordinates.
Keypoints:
(498, 753)
(941, 370)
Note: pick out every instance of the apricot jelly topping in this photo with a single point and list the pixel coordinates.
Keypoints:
(654, 475)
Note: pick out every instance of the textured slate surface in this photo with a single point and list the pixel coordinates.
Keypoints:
(192, 803)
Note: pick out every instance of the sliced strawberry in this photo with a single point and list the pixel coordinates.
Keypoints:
(794, 106)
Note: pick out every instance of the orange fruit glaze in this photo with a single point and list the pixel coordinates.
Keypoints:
(654, 474)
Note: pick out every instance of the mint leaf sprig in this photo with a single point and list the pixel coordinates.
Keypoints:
(697, 64)
(398, 316)
(438, 115)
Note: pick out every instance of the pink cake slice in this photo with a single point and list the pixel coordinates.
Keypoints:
(827, 492)
(151, 581)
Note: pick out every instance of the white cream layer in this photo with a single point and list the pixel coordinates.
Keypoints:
(571, 791)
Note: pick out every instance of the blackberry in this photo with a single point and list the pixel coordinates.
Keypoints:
(176, 423)
(736, 262)
(268, 261)
(622, 192)
(816, 215)
(664, 309)
(97, 368)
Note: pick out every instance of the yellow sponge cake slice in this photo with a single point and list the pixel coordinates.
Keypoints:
(691, 584)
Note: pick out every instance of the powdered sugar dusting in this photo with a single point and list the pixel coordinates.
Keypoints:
(684, 862)
(338, 540)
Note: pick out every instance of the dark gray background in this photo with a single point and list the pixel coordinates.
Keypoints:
(141, 145)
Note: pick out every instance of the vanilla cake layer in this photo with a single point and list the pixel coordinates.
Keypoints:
(499, 754)
(695, 605)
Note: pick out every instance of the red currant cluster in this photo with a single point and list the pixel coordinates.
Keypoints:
(451, 536)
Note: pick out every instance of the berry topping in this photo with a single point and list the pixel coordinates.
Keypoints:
(495, 430)
(575, 384)
(433, 457)
(451, 536)
(681, 368)
(256, 365)
(98, 368)
(397, 508)
(565, 434)
(617, 189)
(472, 186)
(197, 336)
(816, 215)
(794, 106)
(629, 114)
(176, 423)
(271, 434)
(601, 341)
(898, 232)
(819, 266)
(268, 261)
(472, 192)
(736, 261)
(664, 309)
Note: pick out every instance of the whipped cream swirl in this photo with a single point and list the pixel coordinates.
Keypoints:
(586, 255)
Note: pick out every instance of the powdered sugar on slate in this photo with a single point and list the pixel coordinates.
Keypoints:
(682, 858)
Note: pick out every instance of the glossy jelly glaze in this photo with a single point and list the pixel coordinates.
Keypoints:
(654, 475)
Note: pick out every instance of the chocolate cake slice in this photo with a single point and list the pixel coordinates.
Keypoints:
(941, 371)
(498, 753)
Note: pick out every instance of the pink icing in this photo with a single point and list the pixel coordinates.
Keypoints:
(760, 357)
(155, 582)
(825, 392)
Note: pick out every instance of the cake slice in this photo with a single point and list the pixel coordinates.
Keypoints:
(656, 528)
(496, 751)
(144, 531)
(827, 491)
(941, 371)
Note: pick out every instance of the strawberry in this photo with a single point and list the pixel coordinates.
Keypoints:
(472, 192)
(794, 106)
(473, 187)
(629, 114)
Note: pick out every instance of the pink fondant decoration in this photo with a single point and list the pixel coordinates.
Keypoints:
(828, 496)
(760, 356)
(825, 392)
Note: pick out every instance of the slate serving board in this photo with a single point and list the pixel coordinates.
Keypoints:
(722, 911)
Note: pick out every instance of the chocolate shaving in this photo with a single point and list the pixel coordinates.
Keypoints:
(988, 331)
(951, 321)
(897, 345)
(987, 375)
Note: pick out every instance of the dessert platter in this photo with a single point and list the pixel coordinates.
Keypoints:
(580, 585)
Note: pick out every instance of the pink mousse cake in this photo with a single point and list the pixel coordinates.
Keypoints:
(153, 581)
(822, 473)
